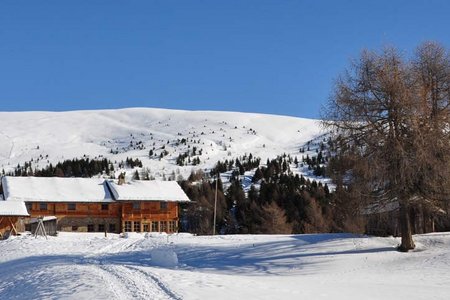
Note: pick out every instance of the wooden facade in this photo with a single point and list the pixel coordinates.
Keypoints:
(423, 219)
(129, 216)
(73, 209)
(149, 216)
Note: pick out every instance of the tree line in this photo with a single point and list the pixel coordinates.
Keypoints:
(282, 202)
(83, 167)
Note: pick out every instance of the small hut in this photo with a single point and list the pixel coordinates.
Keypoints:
(10, 213)
(49, 223)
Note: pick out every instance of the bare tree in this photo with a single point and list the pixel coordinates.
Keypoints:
(390, 116)
(275, 220)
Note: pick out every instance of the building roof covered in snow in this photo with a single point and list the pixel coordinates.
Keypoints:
(148, 191)
(44, 219)
(13, 209)
(55, 189)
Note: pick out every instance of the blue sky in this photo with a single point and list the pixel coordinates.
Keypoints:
(277, 56)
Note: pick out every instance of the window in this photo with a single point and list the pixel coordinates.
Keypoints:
(146, 227)
(163, 226)
(127, 226)
(29, 206)
(172, 226)
(42, 206)
(74, 228)
(163, 205)
(71, 206)
(155, 226)
(101, 227)
(137, 226)
(90, 228)
(112, 227)
(105, 207)
(136, 205)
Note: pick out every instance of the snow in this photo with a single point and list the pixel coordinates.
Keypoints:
(42, 138)
(55, 189)
(13, 209)
(315, 266)
(164, 257)
(44, 219)
(154, 190)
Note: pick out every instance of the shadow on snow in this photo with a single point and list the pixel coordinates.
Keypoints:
(300, 253)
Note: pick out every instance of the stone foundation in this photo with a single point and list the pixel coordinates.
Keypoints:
(88, 224)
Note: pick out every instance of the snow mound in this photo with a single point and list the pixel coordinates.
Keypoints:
(155, 234)
(164, 257)
(132, 235)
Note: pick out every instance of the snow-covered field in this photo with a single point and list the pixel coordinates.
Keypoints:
(182, 266)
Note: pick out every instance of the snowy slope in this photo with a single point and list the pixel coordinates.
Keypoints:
(321, 266)
(50, 137)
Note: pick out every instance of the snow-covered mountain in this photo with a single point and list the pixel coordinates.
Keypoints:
(50, 137)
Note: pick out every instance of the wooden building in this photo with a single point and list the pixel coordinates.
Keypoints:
(148, 206)
(98, 205)
(11, 213)
(382, 219)
(49, 224)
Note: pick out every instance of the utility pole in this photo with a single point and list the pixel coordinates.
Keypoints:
(215, 204)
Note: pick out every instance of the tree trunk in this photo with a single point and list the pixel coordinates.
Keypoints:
(405, 228)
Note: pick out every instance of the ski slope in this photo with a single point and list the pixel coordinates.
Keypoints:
(50, 137)
(317, 266)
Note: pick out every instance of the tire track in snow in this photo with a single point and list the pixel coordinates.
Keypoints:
(116, 286)
(158, 281)
(135, 284)
(124, 281)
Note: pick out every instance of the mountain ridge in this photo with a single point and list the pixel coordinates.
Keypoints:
(41, 137)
